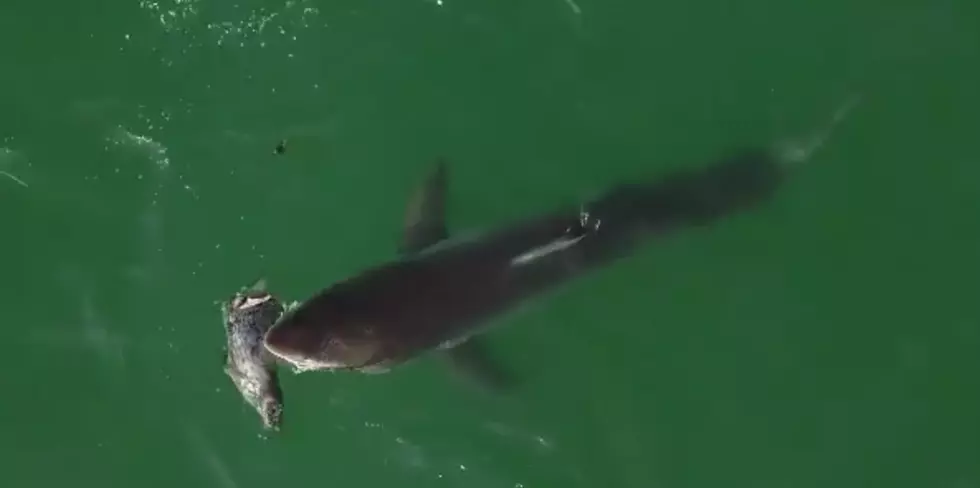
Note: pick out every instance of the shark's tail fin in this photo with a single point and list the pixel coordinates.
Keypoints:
(799, 150)
(628, 214)
(735, 183)
(692, 197)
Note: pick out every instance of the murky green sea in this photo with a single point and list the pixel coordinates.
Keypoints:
(829, 339)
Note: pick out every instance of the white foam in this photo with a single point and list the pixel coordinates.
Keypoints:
(120, 136)
(237, 27)
(7, 158)
(12, 177)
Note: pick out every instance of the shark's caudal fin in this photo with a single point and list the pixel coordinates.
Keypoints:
(425, 226)
(798, 150)
(425, 219)
(736, 182)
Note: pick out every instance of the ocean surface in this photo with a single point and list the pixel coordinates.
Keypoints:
(828, 339)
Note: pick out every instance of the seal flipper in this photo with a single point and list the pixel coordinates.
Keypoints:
(425, 220)
(472, 361)
(260, 286)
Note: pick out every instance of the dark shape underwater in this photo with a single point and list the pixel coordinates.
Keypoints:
(443, 292)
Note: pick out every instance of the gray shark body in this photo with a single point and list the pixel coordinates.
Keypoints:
(440, 294)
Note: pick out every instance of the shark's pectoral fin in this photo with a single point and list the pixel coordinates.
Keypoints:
(470, 360)
(425, 221)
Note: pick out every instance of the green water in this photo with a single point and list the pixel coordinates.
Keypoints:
(827, 340)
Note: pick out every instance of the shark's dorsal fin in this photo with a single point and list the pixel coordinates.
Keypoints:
(425, 215)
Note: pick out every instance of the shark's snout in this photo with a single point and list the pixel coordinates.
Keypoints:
(283, 343)
(303, 346)
(297, 345)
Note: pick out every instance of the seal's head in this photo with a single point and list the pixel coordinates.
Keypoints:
(251, 302)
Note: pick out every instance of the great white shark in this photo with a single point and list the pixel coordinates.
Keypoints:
(440, 293)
